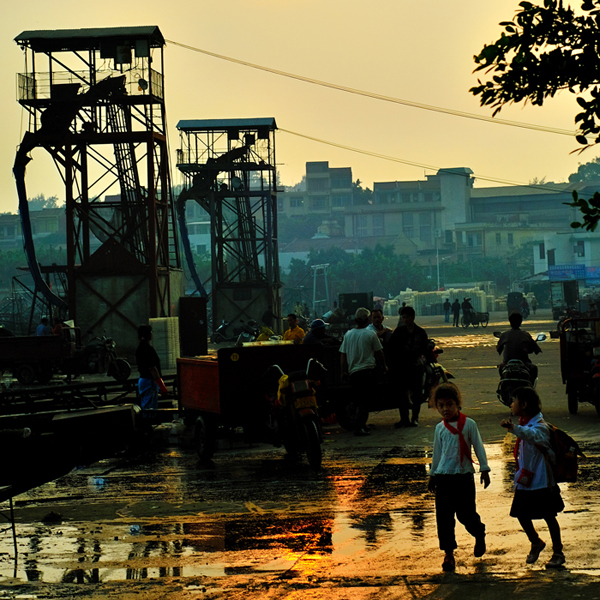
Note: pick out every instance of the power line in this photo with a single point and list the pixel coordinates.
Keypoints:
(341, 88)
(416, 164)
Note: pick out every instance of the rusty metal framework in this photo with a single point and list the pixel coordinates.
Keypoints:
(95, 100)
(229, 169)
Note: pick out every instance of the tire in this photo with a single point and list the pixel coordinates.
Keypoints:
(120, 370)
(25, 374)
(205, 439)
(573, 399)
(313, 444)
(44, 373)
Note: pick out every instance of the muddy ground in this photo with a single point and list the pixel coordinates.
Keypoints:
(253, 524)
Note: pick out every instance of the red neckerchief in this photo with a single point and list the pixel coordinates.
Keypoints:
(522, 421)
(465, 450)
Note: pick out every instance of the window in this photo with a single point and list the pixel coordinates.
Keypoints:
(319, 202)
(448, 236)
(340, 200)
(360, 226)
(474, 240)
(425, 227)
(579, 249)
(406, 198)
(511, 240)
(296, 202)
(428, 197)
(551, 260)
(378, 225)
(199, 228)
(542, 251)
(498, 239)
(317, 185)
(407, 225)
(340, 183)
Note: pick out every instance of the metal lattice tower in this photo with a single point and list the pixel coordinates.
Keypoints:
(229, 169)
(95, 99)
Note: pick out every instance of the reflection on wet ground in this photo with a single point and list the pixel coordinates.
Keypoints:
(164, 516)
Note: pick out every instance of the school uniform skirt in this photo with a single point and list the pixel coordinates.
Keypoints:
(537, 504)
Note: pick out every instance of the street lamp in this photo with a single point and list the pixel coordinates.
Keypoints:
(438, 235)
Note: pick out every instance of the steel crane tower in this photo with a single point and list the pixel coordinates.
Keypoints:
(95, 102)
(229, 170)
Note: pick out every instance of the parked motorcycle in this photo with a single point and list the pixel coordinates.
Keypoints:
(435, 372)
(98, 357)
(249, 332)
(221, 334)
(295, 410)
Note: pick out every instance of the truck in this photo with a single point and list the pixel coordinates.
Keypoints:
(31, 358)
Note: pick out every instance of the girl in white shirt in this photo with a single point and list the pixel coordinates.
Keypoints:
(452, 473)
(537, 495)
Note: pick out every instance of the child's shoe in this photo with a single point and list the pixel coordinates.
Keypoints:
(557, 560)
(480, 547)
(449, 563)
(534, 554)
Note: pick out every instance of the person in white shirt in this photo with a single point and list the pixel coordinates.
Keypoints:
(452, 473)
(360, 352)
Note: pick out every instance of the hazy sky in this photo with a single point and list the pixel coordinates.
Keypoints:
(418, 51)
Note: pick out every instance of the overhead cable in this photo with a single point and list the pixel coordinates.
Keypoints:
(415, 164)
(342, 88)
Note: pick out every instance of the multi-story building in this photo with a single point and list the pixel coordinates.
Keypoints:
(328, 190)
(44, 223)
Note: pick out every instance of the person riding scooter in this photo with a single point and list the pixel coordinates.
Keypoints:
(518, 344)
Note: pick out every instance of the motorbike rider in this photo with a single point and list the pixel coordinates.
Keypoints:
(148, 364)
(518, 344)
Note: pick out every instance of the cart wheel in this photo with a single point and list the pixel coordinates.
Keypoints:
(313, 444)
(120, 370)
(573, 399)
(25, 374)
(464, 322)
(204, 439)
(485, 321)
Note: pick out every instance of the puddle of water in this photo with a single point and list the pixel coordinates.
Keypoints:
(378, 519)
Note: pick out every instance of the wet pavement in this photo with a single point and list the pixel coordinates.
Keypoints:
(253, 524)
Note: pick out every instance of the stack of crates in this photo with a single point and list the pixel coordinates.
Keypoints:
(165, 339)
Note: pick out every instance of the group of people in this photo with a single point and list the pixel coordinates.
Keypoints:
(454, 308)
(367, 350)
(536, 496)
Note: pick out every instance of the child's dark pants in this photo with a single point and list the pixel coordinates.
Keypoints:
(455, 495)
